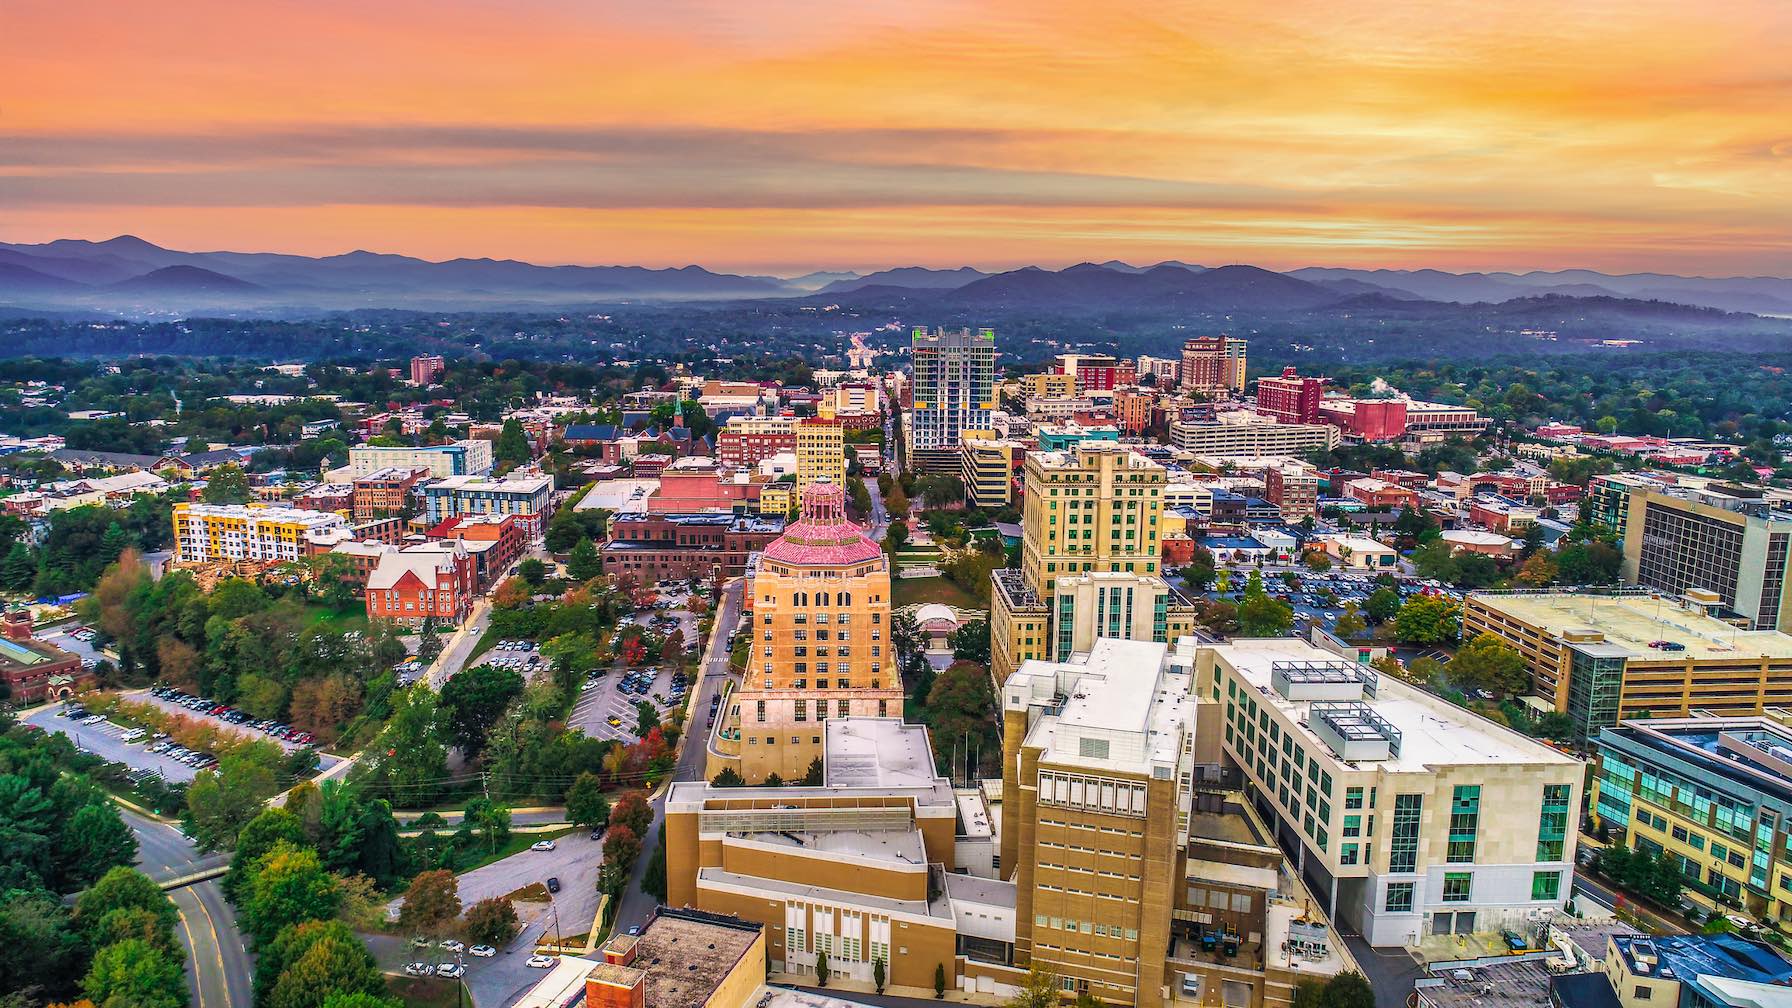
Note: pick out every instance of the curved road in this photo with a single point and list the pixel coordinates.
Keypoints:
(219, 968)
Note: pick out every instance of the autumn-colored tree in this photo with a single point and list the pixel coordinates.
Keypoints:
(512, 593)
(621, 845)
(431, 902)
(632, 811)
(491, 921)
(179, 663)
(322, 705)
(634, 653)
(111, 596)
(1538, 571)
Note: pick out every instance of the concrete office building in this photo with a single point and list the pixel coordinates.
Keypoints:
(820, 641)
(1723, 539)
(954, 393)
(1385, 797)
(462, 458)
(1600, 657)
(1243, 434)
(1714, 792)
(820, 454)
(991, 471)
(1094, 510)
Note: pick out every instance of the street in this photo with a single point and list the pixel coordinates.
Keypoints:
(692, 760)
(460, 644)
(219, 967)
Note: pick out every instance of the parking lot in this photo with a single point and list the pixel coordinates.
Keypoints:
(173, 706)
(522, 655)
(1319, 597)
(105, 739)
(606, 698)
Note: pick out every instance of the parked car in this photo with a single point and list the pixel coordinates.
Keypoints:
(419, 969)
(540, 962)
(542, 845)
(553, 884)
(482, 951)
(453, 946)
(452, 971)
(1514, 941)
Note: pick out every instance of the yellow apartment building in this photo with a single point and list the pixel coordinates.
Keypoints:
(222, 533)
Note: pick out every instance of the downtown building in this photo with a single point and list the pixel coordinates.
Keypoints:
(954, 393)
(529, 498)
(462, 458)
(1213, 365)
(225, 533)
(821, 645)
(1090, 554)
(1240, 433)
(1728, 543)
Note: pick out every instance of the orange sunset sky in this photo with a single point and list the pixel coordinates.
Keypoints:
(789, 135)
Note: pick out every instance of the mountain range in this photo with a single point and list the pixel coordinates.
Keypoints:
(133, 277)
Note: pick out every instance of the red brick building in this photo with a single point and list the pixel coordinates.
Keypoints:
(433, 579)
(1290, 398)
(1133, 409)
(661, 546)
(1097, 372)
(1366, 419)
(495, 541)
(387, 493)
(33, 670)
(751, 440)
(427, 370)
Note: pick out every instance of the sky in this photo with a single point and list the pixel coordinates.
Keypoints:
(787, 135)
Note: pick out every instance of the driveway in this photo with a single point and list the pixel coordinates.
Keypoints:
(574, 861)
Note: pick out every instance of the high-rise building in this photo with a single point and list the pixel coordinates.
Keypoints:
(1409, 816)
(1213, 364)
(746, 441)
(1293, 487)
(425, 370)
(954, 392)
(820, 454)
(1097, 789)
(1134, 408)
(1727, 540)
(820, 640)
(991, 471)
(1091, 510)
(1289, 397)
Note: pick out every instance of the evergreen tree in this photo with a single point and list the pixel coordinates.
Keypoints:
(513, 444)
(584, 563)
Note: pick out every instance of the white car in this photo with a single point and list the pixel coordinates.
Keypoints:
(419, 969)
(452, 971)
(453, 946)
(482, 951)
(540, 962)
(542, 845)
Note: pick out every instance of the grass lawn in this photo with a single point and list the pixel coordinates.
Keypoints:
(427, 992)
(341, 619)
(918, 591)
(476, 857)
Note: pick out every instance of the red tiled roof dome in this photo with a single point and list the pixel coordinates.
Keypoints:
(823, 536)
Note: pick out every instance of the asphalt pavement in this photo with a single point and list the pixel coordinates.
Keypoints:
(692, 759)
(102, 739)
(220, 970)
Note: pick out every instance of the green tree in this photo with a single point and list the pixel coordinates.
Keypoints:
(1489, 663)
(123, 888)
(39, 945)
(268, 828)
(728, 777)
(1350, 623)
(1259, 615)
(939, 981)
(961, 714)
(472, 702)
(647, 718)
(1428, 619)
(653, 881)
(1041, 989)
(221, 802)
(490, 820)
(821, 969)
(1382, 605)
(288, 886)
(1347, 990)
(228, 484)
(970, 642)
(334, 965)
(360, 999)
(135, 974)
(584, 563)
(410, 758)
(19, 569)
(877, 974)
(585, 802)
(533, 571)
(513, 445)
(93, 841)
(1589, 563)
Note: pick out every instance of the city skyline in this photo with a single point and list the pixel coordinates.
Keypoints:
(1617, 137)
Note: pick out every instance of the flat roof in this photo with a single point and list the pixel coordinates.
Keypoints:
(903, 847)
(686, 958)
(877, 752)
(1632, 621)
(1433, 731)
(937, 909)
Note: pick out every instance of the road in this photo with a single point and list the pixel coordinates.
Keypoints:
(1639, 914)
(219, 968)
(880, 515)
(692, 759)
(459, 648)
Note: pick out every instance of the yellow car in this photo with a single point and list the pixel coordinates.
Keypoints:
(614, 721)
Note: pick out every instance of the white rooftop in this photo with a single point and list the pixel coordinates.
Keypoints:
(1434, 732)
(1122, 707)
(878, 752)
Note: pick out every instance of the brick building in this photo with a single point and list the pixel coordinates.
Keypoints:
(495, 541)
(1289, 397)
(659, 546)
(33, 670)
(431, 579)
(387, 492)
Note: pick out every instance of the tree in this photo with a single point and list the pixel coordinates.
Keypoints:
(430, 903)
(287, 886)
(94, 840)
(490, 820)
(1262, 616)
(512, 593)
(621, 845)
(728, 777)
(877, 974)
(653, 881)
(473, 700)
(585, 801)
(1040, 989)
(815, 775)
(1589, 563)
(123, 888)
(135, 974)
(491, 921)
(1428, 619)
(410, 757)
(221, 802)
(584, 563)
(228, 484)
(360, 999)
(896, 538)
(896, 502)
(41, 952)
(821, 969)
(939, 981)
(1350, 623)
(268, 828)
(970, 642)
(533, 571)
(1382, 605)
(960, 710)
(1347, 990)
(1537, 571)
(513, 445)
(1489, 663)
(632, 810)
(335, 964)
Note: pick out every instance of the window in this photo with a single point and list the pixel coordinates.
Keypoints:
(1403, 848)
(1546, 885)
(1465, 817)
(1456, 886)
(1399, 897)
(1552, 822)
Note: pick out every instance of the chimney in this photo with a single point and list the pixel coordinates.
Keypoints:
(610, 986)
